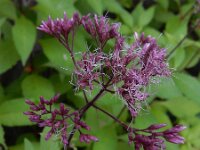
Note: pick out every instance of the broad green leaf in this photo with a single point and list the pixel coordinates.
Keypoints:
(138, 10)
(114, 7)
(123, 145)
(195, 136)
(11, 113)
(192, 56)
(24, 35)
(163, 3)
(6, 31)
(2, 140)
(188, 85)
(146, 16)
(28, 145)
(1, 93)
(125, 30)
(166, 89)
(53, 8)
(16, 147)
(179, 57)
(51, 144)
(2, 21)
(172, 146)
(144, 120)
(96, 5)
(179, 32)
(34, 86)
(182, 107)
(8, 56)
(7, 9)
(160, 113)
(189, 42)
(93, 119)
(57, 54)
(162, 15)
(107, 139)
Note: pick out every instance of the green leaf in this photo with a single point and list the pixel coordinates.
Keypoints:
(179, 32)
(179, 57)
(188, 85)
(11, 113)
(17, 147)
(146, 16)
(8, 55)
(53, 8)
(51, 144)
(28, 145)
(144, 120)
(163, 4)
(1, 93)
(2, 141)
(107, 139)
(172, 146)
(2, 21)
(24, 35)
(195, 136)
(162, 15)
(57, 54)
(96, 5)
(166, 89)
(92, 119)
(114, 7)
(192, 56)
(125, 146)
(182, 107)
(7, 9)
(159, 112)
(34, 86)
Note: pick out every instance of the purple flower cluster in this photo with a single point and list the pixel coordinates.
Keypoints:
(143, 61)
(155, 139)
(99, 28)
(60, 28)
(87, 70)
(58, 119)
(127, 70)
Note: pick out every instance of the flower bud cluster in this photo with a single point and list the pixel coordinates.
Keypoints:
(155, 139)
(57, 119)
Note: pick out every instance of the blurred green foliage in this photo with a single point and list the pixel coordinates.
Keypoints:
(33, 64)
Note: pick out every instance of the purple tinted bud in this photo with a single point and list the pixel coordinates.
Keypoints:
(176, 129)
(43, 101)
(174, 138)
(84, 125)
(49, 134)
(55, 99)
(29, 102)
(171, 135)
(29, 113)
(34, 108)
(156, 126)
(87, 138)
(62, 108)
(35, 118)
